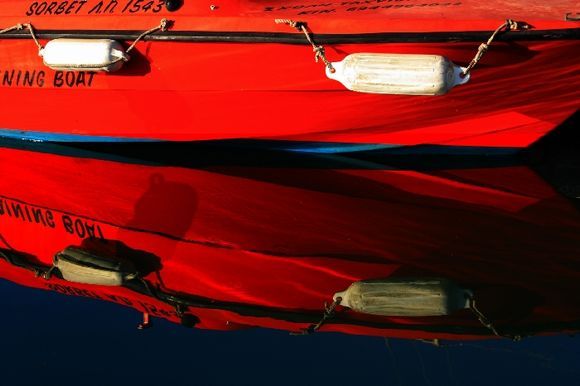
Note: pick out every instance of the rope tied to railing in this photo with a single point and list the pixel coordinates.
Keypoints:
(508, 25)
(319, 51)
(163, 26)
(488, 323)
(30, 29)
(329, 312)
(13, 28)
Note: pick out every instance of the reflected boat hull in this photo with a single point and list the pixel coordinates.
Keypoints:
(275, 244)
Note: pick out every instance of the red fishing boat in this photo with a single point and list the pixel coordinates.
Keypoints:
(230, 247)
(390, 72)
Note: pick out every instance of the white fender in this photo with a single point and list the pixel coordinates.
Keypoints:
(405, 297)
(402, 74)
(84, 55)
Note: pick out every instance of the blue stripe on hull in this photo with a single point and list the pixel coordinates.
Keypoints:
(39, 136)
(297, 147)
(292, 146)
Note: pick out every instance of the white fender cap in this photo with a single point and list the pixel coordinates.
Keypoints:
(403, 74)
(84, 55)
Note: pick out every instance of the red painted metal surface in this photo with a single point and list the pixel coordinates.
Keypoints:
(326, 16)
(290, 238)
(198, 91)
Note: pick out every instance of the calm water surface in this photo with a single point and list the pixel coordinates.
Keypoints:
(244, 245)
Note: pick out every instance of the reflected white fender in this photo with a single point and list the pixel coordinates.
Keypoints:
(84, 55)
(402, 74)
(405, 297)
(80, 266)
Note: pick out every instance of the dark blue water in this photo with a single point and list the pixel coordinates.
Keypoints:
(53, 339)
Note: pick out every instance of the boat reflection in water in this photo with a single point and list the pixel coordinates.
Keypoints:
(222, 241)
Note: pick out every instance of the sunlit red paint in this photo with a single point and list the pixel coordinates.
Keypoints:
(202, 90)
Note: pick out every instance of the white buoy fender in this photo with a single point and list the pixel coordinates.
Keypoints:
(404, 74)
(79, 266)
(405, 297)
(84, 55)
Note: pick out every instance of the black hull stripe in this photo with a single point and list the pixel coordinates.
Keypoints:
(256, 154)
(295, 38)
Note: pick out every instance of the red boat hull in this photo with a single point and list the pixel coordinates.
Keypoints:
(204, 87)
